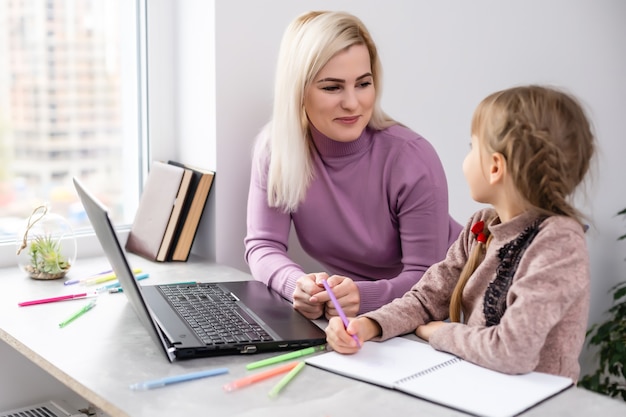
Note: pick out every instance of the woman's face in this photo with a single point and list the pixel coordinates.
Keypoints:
(340, 99)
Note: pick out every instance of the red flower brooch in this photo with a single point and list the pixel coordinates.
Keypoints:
(477, 229)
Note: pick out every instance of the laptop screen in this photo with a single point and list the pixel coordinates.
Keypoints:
(105, 232)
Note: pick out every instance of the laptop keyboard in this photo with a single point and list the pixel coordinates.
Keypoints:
(214, 314)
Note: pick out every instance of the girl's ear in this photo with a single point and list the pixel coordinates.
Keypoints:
(497, 168)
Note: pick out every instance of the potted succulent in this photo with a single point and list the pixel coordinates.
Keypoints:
(47, 247)
(46, 259)
(610, 339)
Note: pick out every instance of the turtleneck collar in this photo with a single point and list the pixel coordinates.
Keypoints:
(511, 229)
(328, 147)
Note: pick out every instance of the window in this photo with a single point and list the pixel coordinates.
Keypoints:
(69, 106)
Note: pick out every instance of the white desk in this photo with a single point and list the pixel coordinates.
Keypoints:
(100, 354)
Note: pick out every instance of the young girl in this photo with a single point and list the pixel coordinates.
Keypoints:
(515, 284)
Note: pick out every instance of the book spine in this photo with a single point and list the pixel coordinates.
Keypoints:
(190, 228)
(174, 222)
(191, 193)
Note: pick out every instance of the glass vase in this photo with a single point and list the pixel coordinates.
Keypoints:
(46, 249)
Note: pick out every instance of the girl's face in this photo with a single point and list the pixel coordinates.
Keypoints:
(476, 172)
(340, 100)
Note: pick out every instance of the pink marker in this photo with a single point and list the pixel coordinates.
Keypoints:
(55, 299)
(331, 294)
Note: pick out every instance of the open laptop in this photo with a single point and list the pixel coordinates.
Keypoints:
(268, 321)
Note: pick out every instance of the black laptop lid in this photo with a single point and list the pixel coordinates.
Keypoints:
(99, 218)
(288, 327)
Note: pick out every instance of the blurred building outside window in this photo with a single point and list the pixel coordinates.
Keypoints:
(69, 106)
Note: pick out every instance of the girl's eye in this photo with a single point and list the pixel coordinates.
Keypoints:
(330, 88)
(365, 84)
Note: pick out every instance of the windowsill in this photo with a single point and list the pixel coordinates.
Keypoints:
(87, 243)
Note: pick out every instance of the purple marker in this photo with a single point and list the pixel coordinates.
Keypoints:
(331, 294)
(77, 280)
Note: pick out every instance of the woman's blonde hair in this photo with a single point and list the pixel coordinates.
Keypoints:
(548, 145)
(308, 43)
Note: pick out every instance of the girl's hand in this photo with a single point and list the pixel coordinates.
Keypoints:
(426, 330)
(340, 338)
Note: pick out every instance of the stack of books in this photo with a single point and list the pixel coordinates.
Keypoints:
(169, 211)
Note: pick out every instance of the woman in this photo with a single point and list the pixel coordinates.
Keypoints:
(367, 197)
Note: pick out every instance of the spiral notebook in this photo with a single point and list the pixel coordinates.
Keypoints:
(417, 369)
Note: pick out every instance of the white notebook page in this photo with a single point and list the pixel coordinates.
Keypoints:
(418, 369)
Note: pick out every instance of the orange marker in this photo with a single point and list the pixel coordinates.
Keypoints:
(259, 376)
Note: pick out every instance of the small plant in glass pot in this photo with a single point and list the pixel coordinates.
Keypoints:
(47, 248)
(46, 259)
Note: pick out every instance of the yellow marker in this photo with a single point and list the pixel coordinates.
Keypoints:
(105, 278)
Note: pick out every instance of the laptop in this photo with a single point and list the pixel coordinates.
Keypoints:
(202, 319)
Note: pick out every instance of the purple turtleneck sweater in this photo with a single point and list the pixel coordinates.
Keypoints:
(376, 211)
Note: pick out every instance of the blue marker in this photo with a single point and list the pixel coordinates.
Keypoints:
(157, 383)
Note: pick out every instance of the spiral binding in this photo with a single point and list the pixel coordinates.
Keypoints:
(429, 370)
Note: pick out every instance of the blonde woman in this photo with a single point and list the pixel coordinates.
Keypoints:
(366, 196)
(515, 284)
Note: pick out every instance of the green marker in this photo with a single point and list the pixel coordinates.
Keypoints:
(285, 357)
(286, 379)
(78, 314)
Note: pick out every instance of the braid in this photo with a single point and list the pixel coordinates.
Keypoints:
(546, 140)
(476, 257)
(541, 175)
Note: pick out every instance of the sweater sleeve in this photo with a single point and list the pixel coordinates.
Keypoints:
(551, 279)
(429, 299)
(266, 240)
(418, 194)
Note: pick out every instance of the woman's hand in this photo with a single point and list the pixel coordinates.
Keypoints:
(339, 338)
(346, 292)
(304, 295)
(426, 330)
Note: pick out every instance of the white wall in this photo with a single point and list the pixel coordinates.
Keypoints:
(440, 59)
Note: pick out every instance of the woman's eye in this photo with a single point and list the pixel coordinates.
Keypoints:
(365, 84)
(330, 88)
